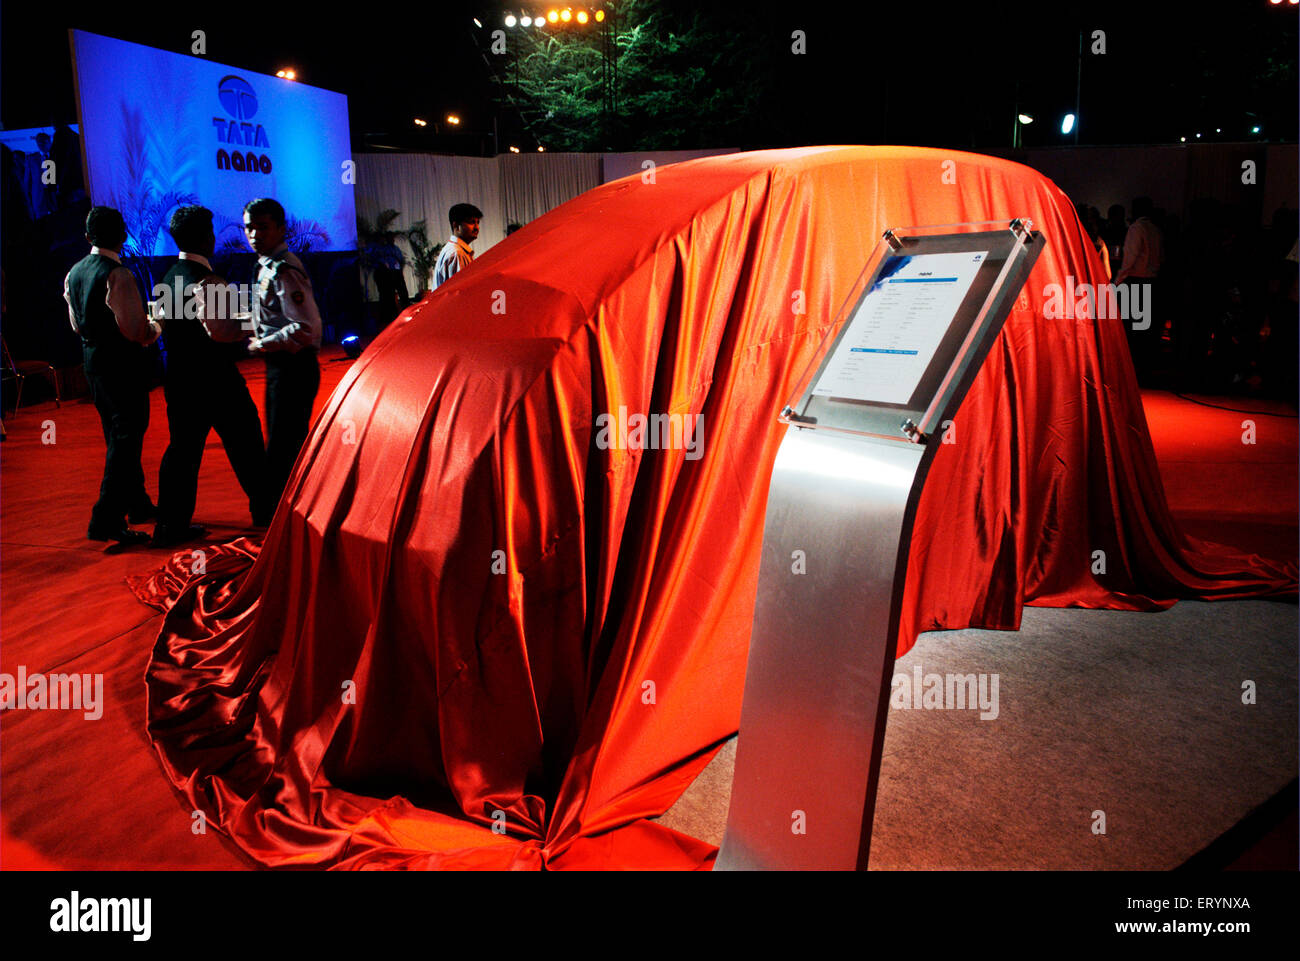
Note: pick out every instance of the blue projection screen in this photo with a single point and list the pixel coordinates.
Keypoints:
(161, 129)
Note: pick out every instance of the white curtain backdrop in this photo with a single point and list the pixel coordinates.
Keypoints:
(424, 187)
(510, 187)
(532, 184)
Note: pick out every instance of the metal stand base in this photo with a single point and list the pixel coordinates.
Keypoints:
(822, 652)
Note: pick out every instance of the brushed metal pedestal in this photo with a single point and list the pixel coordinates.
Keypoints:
(822, 652)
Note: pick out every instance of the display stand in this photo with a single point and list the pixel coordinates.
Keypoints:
(843, 494)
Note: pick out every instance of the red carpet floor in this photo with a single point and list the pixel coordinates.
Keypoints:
(89, 794)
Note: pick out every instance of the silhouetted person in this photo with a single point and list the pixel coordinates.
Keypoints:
(1140, 269)
(105, 308)
(204, 390)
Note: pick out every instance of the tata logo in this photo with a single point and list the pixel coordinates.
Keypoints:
(238, 99)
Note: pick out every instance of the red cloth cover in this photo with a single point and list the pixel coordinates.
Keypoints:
(368, 691)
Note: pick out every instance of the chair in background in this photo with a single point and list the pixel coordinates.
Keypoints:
(20, 370)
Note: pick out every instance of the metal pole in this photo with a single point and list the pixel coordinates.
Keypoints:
(1078, 89)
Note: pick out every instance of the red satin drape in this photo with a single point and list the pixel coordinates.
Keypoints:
(473, 638)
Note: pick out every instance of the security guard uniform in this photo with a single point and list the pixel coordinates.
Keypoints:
(204, 392)
(288, 329)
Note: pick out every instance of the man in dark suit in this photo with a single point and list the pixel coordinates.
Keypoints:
(203, 387)
(105, 308)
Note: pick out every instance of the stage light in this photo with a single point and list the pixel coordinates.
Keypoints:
(600, 16)
(1218, 130)
(541, 149)
(478, 23)
(453, 119)
(1198, 136)
(510, 20)
(514, 149)
(1068, 123)
(526, 22)
(1025, 118)
(566, 15)
(1254, 130)
(421, 123)
(539, 22)
(582, 16)
(352, 346)
(286, 74)
(553, 15)
(1182, 140)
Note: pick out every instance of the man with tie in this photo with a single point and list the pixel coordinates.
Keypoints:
(203, 387)
(105, 308)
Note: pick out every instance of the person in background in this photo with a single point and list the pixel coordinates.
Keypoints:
(204, 390)
(1143, 257)
(105, 308)
(456, 254)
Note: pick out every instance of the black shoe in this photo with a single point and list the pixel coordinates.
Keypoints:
(142, 514)
(123, 535)
(164, 536)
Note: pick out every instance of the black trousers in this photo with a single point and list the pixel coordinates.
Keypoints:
(292, 381)
(119, 388)
(199, 401)
(1144, 345)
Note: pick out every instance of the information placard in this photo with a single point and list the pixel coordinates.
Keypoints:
(899, 325)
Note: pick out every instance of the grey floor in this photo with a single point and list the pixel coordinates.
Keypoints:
(1137, 715)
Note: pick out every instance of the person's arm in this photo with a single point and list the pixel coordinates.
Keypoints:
(303, 329)
(124, 301)
(72, 314)
(1134, 249)
(218, 304)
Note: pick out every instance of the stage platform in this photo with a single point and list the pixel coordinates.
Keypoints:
(1136, 715)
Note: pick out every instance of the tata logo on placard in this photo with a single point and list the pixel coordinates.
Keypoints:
(238, 99)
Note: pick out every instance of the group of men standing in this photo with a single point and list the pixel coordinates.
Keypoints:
(202, 385)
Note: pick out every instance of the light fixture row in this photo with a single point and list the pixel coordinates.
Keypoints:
(556, 17)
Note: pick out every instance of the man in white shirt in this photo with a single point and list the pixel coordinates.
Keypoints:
(1144, 255)
(456, 254)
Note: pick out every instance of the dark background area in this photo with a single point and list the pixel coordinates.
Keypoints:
(949, 75)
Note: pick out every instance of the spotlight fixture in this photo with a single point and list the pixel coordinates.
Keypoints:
(286, 74)
(421, 123)
(514, 149)
(510, 20)
(541, 149)
(582, 16)
(1025, 118)
(566, 15)
(600, 16)
(1067, 124)
(453, 119)
(351, 346)
(553, 15)
(525, 21)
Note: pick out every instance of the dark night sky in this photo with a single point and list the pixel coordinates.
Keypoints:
(932, 74)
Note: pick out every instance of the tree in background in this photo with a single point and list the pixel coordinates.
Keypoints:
(687, 77)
